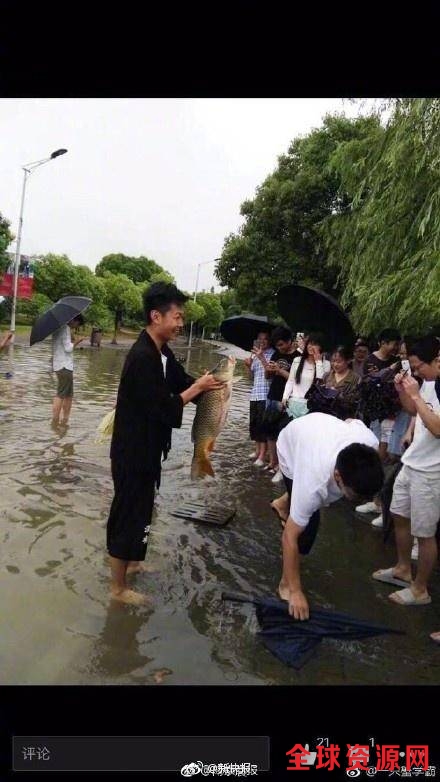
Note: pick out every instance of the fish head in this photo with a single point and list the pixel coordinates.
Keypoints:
(224, 370)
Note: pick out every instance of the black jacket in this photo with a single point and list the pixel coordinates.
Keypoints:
(149, 406)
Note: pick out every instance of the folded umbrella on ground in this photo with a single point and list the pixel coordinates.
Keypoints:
(293, 641)
(242, 330)
(62, 312)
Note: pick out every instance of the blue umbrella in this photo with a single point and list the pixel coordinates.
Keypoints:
(58, 315)
(294, 641)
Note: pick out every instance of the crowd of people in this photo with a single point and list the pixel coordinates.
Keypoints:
(330, 425)
(325, 424)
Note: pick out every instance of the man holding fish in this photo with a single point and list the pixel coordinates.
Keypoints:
(152, 393)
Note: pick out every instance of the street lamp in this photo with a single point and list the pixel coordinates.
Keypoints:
(28, 168)
(203, 263)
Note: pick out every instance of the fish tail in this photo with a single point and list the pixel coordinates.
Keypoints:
(201, 463)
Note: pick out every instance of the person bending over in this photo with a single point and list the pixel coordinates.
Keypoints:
(322, 459)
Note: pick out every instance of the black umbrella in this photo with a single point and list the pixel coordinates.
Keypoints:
(242, 330)
(293, 641)
(306, 309)
(58, 315)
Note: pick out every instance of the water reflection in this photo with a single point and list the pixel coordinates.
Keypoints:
(117, 650)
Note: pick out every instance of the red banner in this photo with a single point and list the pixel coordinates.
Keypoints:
(25, 279)
(24, 288)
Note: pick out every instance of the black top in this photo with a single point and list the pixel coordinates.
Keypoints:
(373, 363)
(278, 383)
(148, 407)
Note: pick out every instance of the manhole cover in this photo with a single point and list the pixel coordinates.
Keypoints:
(197, 511)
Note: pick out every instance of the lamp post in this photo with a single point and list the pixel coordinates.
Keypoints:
(203, 263)
(28, 168)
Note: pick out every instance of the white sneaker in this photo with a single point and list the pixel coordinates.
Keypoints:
(252, 455)
(368, 507)
(378, 522)
(415, 550)
(278, 477)
(259, 463)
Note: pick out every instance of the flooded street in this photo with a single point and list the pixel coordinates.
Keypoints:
(58, 624)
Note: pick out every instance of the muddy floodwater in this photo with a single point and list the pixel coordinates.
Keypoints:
(58, 625)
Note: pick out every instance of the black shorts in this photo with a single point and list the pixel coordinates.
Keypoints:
(274, 420)
(256, 415)
(129, 521)
(307, 537)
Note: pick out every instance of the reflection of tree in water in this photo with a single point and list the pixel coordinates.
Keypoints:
(116, 651)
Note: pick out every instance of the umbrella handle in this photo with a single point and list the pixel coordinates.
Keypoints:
(237, 597)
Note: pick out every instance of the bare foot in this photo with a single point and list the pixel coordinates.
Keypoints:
(137, 567)
(130, 597)
(283, 591)
(160, 675)
(281, 511)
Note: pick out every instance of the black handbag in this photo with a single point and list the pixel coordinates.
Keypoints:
(334, 401)
(379, 398)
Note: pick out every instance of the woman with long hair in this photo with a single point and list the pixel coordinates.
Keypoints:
(305, 370)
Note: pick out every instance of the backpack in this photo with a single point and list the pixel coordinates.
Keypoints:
(379, 398)
(333, 401)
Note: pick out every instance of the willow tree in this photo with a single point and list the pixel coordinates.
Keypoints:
(387, 243)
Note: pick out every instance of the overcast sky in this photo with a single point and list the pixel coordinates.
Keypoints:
(158, 177)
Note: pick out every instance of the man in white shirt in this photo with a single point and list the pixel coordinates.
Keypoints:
(415, 505)
(62, 364)
(322, 459)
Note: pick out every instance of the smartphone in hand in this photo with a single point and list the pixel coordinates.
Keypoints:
(406, 366)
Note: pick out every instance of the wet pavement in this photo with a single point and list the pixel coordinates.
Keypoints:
(58, 625)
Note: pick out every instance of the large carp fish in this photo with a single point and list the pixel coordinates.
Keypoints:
(212, 410)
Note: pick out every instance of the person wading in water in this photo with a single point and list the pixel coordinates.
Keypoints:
(152, 393)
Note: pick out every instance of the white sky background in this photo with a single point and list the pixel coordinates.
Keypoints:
(163, 178)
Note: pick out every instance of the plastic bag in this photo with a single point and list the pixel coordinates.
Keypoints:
(105, 428)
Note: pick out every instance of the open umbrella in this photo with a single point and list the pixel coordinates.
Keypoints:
(58, 315)
(306, 309)
(293, 641)
(242, 330)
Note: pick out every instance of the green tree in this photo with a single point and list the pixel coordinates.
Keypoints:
(214, 313)
(54, 276)
(6, 237)
(32, 308)
(194, 312)
(122, 296)
(387, 243)
(138, 269)
(280, 241)
(86, 284)
(162, 276)
(228, 300)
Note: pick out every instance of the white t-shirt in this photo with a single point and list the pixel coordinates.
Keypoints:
(307, 451)
(424, 452)
(299, 390)
(62, 349)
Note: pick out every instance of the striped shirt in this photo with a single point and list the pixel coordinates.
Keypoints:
(260, 388)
